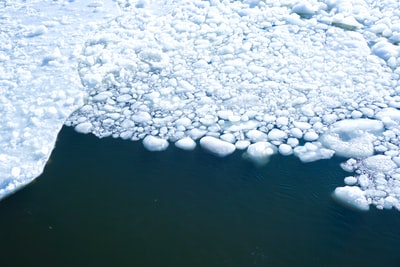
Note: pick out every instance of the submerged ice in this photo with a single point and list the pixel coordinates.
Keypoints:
(309, 78)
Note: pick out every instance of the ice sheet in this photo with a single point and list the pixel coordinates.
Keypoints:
(40, 43)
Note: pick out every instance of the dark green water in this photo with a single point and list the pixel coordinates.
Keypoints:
(110, 202)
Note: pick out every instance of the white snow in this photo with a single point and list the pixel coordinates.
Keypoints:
(309, 78)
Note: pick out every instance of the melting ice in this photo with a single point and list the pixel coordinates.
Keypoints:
(258, 76)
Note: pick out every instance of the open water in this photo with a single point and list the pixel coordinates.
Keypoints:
(109, 202)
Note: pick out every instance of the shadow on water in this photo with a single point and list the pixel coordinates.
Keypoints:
(110, 202)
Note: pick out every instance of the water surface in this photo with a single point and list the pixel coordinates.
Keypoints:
(109, 202)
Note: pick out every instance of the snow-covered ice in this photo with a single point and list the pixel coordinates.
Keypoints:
(40, 43)
(309, 78)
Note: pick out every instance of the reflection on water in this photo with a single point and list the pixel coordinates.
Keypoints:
(109, 202)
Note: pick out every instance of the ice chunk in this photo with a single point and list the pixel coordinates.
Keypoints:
(350, 180)
(310, 136)
(285, 149)
(242, 144)
(379, 163)
(257, 136)
(153, 143)
(302, 125)
(186, 143)
(141, 117)
(186, 122)
(389, 116)
(277, 135)
(100, 97)
(352, 138)
(228, 137)
(391, 202)
(260, 152)
(304, 9)
(84, 127)
(386, 50)
(296, 132)
(216, 146)
(351, 196)
(312, 152)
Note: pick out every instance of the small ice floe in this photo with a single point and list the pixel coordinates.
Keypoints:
(186, 143)
(153, 143)
(312, 151)
(352, 138)
(217, 146)
(260, 152)
(351, 196)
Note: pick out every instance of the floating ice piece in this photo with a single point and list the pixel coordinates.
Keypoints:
(217, 146)
(141, 117)
(285, 149)
(379, 163)
(186, 143)
(310, 136)
(242, 144)
(256, 136)
(349, 165)
(351, 196)
(153, 143)
(390, 202)
(350, 180)
(352, 138)
(277, 135)
(260, 152)
(312, 152)
(84, 127)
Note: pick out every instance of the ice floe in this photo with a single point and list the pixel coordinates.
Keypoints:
(40, 42)
(309, 78)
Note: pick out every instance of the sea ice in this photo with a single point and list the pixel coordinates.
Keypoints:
(153, 143)
(352, 196)
(39, 85)
(186, 143)
(312, 78)
(260, 152)
(217, 146)
(352, 138)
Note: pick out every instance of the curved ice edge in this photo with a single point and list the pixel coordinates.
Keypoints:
(17, 180)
